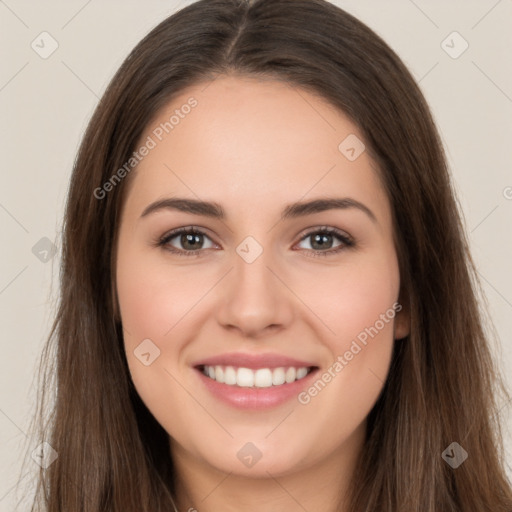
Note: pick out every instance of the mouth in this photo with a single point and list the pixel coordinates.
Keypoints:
(255, 378)
(251, 381)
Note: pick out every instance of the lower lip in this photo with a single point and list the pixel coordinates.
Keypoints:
(256, 398)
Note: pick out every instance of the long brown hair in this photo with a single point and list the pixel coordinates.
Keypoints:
(443, 385)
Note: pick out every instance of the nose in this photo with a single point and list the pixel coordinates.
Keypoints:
(254, 298)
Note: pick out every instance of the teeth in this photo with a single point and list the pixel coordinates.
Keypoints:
(301, 373)
(230, 376)
(244, 378)
(261, 378)
(219, 374)
(278, 377)
(291, 373)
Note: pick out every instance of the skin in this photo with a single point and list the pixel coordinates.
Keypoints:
(255, 146)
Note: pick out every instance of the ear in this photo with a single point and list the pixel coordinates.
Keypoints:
(402, 325)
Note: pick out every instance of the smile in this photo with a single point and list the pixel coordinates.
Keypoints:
(255, 378)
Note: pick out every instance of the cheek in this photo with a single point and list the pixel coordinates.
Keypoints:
(359, 304)
(152, 297)
(351, 298)
(152, 301)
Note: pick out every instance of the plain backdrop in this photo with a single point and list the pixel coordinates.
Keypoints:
(46, 103)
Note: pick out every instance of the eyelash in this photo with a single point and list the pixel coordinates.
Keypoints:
(347, 242)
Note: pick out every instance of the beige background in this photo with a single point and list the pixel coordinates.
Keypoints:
(46, 104)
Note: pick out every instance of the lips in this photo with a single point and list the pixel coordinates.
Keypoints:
(254, 381)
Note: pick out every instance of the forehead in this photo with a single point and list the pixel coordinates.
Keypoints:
(246, 141)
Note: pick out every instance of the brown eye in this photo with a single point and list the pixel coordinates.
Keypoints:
(322, 240)
(185, 240)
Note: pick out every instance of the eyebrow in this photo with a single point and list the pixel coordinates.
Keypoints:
(291, 211)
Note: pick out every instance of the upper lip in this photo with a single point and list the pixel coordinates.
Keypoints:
(253, 361)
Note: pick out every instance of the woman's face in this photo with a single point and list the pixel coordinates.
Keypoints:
(259, 294)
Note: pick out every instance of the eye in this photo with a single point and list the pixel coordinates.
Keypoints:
(322, 240)
(190, 239)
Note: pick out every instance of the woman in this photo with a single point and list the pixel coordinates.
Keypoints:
(267, 298)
